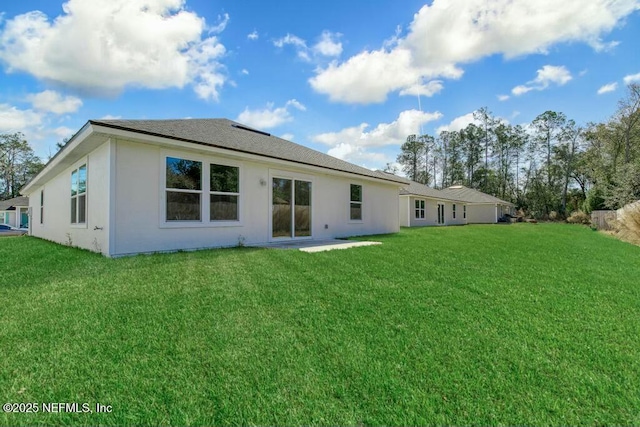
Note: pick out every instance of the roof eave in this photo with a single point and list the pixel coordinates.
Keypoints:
(84, 132)
(98, 124)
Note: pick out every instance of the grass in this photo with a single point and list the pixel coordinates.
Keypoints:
(520, 325)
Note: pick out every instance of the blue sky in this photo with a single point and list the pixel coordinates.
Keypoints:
(348, 78)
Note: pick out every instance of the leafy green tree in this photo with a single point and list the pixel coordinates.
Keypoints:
(487, 123)
(472, 139)
(412, 157)
(548, 127)
(18, 164)
(570, 140)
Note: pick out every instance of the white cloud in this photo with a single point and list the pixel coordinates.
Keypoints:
(631, 78)
(52, 102)
(608, 88)
(105, 46)
(358, 155)
(110, 117)
(421, 89)
(63, 132)
(458, 123)
(367, 77)
(465, 120)
(328, 44)
(299, 44)
(384, 134)
(253, 36)
(503, 97)
(546, 76)
(245, 72)
(270, 116)
(287, 136)
(521, 90)
(13, 119)
(449, 33)
(221, 25)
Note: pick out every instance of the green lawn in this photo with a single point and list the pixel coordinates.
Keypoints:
(504, 324)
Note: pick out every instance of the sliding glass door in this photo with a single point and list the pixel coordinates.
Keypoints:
(290, 208)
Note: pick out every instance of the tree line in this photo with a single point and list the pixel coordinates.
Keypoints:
(549, 167)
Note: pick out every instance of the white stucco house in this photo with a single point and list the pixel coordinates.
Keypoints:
(482, 208)
(14, 212)
(122, 187)
(421, 205)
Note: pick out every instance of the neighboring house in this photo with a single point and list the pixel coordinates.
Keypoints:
(482, 208)
(15, 212)
(129, 186)
(421, 205)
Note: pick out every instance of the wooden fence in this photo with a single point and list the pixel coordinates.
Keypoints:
(602, 219)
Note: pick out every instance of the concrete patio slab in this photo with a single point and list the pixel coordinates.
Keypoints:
(316, 245)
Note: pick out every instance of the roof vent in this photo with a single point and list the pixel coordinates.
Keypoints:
(456, 187)
(250, 130)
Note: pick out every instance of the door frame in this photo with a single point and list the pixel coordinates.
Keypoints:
(441, 211)
(293, 176)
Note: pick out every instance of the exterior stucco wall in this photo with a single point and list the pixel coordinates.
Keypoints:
(481, 214)
(139, 202)
(57, 227)
(9, 218)
(408, 217)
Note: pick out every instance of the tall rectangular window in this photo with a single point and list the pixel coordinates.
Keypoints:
(454, 211)
(79, 195)
(356, 202)
(464, 211)
(420, 209)
(41, 206)
(224, 193)
(183, 189)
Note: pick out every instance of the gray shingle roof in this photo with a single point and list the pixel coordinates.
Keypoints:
(417, 189)
(16, 201)
(470, 195)
(224, 133)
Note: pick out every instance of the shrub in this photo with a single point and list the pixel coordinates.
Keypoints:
(627, 225)
(555, 216)
(594, 201)
(579, 217)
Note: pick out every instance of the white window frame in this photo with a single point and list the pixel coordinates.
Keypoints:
(361, 203)
(205, 213)
(42, 206)
(222, 193)
(453, 212)
(421, 208)
(76, 197)
(464, 211)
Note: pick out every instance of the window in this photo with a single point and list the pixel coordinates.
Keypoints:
(78, 195)
(356, 202)
(454, 211)
(464, 211)
(41, 206)
(224, 192)
(183, 189)
(419, 209)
